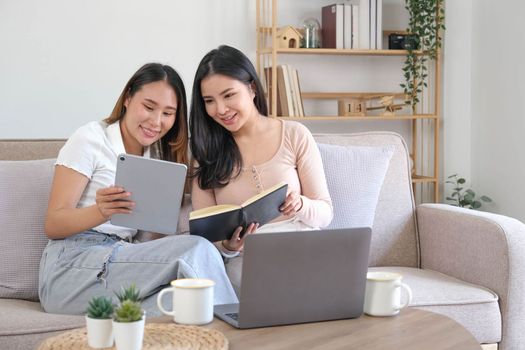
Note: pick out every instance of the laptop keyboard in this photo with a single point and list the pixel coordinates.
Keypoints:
(234, 315)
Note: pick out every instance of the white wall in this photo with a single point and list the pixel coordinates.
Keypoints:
(64, 62)
(456, 124)
(484, 84)
(498, 94)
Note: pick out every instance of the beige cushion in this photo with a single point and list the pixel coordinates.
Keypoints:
(354, 176)
(394, 237)
(474, 307)
(24, 190)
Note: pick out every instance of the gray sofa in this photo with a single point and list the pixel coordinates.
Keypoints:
(465, 264)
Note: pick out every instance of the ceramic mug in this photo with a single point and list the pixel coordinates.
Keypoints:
(383, 294)
(192, 301)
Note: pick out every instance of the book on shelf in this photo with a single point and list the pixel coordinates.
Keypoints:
(268, 89)
(347, 25)
(281, 92)
(379, 24)
(355, 26)
(291, 92)
(288, 97)
(218, 222)
(332, 18)
(376, 25)
(369, 30)
(364, 24)
(297, 96)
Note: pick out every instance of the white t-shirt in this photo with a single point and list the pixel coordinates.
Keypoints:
(92, 150)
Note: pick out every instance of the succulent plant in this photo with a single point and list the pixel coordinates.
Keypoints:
(128, 311)
(129, 293)
(100, 308)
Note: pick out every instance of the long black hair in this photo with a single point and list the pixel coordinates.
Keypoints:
(174, 145)
(212, 146)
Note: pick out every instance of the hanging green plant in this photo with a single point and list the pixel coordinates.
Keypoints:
(426, 22)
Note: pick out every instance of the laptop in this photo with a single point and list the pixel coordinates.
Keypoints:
(298, 277)
(156, 187)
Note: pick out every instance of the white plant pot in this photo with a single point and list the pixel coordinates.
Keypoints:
(129, 335)
(99, 332)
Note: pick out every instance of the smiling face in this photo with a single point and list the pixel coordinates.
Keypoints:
(228, 101)
(150, 114)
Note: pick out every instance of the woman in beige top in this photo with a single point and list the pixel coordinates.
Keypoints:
(240, 152)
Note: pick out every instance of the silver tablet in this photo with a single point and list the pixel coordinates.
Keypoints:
(156, 187)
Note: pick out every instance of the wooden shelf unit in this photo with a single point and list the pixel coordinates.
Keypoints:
(267, 54)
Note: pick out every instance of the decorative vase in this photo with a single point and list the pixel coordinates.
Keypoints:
(99, 332)
(312, 33)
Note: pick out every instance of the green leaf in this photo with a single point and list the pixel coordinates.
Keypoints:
(461, 180)
(486, 199)
(476, 205)
(468, 198)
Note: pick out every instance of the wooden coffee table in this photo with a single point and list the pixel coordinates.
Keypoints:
(411, 329)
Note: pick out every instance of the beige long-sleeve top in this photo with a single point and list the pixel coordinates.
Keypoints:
(297, 162)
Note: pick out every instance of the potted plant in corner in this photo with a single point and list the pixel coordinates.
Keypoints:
(461, 197)
(128, 320)
(98, 323)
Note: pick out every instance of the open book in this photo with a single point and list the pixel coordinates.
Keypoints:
(218, 222)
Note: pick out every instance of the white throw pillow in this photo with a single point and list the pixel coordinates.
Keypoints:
(354, 175)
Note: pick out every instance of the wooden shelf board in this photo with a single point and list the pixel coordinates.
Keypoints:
(423, 179)
(357, 52)
(340, 95)
(368, 118)
(387, 32)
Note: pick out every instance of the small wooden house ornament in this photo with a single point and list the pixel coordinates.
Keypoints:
(288, 38)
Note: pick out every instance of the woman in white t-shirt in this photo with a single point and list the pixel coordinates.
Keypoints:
(88, 256)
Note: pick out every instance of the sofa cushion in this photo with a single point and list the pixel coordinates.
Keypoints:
(474, 307)
(354, 175)
(395, 238)
(24, 190)
(20, 317)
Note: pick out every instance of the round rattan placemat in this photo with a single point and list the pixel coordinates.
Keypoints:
(157, 336)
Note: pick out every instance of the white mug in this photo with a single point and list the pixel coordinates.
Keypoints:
(192, 301)
(383, 293)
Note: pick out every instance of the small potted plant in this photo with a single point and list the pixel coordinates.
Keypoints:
(128, 320)
(98, 322)
(462, 197)
(130, 293)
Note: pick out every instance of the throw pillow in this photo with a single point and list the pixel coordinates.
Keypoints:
(24, 192)
(354, 175)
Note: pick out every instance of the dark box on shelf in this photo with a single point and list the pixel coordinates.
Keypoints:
(398, 41)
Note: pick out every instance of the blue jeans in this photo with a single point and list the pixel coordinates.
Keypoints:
(88, 264)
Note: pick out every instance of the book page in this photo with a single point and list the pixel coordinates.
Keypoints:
(263, 193)
(216, 209)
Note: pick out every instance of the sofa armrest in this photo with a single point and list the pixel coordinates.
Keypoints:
(481, 248)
